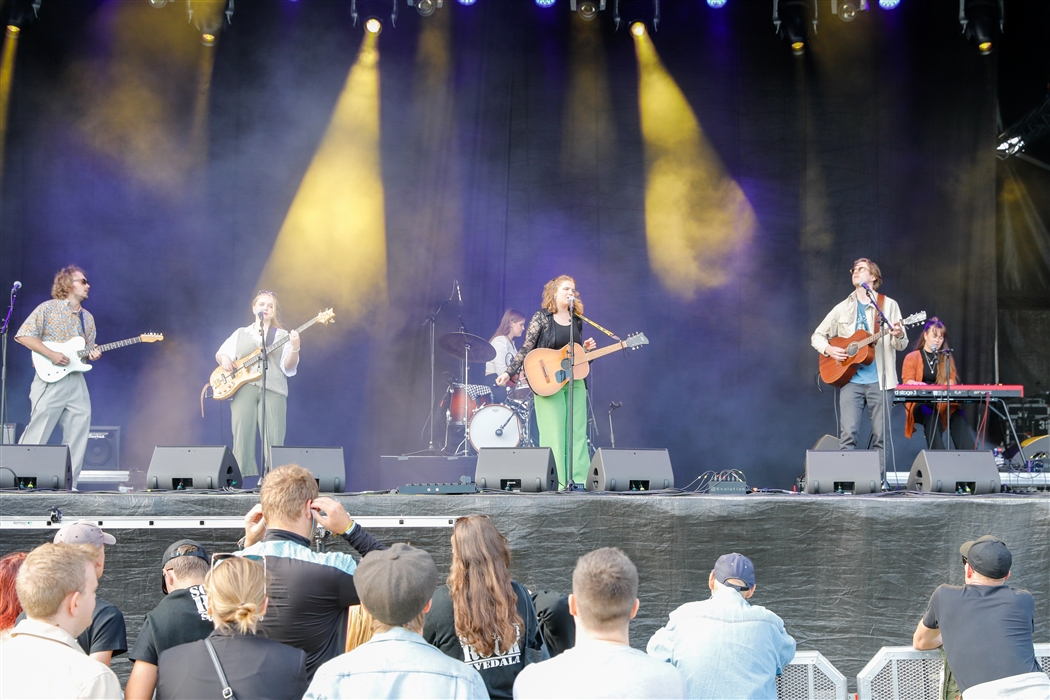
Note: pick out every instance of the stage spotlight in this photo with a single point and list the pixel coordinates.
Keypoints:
(638, 29)
(208, 39)
(20, 13)
(792, 19)
(982, 22)
(889, 4)
(426, 7)
(376, 10)
(207, 15)
(847, 9)
(716, 3)
(634, 11)
(13, 31)
(467, 2)
(545, 3)
(587, 9)
(158, 3)
(373, 25)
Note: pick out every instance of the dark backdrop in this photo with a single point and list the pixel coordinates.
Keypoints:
(879, 142)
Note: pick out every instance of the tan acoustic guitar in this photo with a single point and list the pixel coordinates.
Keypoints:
(543, 366)
(249, 368)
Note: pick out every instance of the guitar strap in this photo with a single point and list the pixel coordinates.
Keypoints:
(880, 301)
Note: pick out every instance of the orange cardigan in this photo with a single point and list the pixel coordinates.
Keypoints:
(912, 370)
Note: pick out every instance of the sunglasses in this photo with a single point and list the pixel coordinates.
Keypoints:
(220, 557)
(82, 280)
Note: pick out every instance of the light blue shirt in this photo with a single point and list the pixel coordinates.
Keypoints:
(725, 647)
(397, 663)
(865, 374)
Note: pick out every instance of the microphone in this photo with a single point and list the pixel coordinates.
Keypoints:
(15, 287)
(459, 294)
(865, 285)
(572, 300)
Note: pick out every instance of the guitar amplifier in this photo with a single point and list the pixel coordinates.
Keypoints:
(103, 448)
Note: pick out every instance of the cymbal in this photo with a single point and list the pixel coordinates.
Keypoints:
(476, 348)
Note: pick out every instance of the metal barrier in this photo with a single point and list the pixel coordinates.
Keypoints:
(810, 676)
(904, 673)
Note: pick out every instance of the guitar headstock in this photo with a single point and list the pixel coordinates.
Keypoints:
(636, 340)
(325, 317)
(914, 319)
(151, 337)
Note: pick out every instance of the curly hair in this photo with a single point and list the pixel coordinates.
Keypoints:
(64, 281)
(10, 608)
(484, 603)
(551, 289)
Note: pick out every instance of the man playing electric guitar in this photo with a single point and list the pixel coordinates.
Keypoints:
(871, 384)
(65, 402)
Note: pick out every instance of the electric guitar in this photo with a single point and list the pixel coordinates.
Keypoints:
(860, 350)
(546, 374)
(249, 368)
(76, 350)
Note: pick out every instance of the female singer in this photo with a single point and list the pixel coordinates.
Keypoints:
(510, 328)
(929, 364)
(549, 328)
(245, 406)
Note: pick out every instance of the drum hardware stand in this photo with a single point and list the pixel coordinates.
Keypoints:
(612, 436)
(3, 362)
(432, 320)
(262, 428)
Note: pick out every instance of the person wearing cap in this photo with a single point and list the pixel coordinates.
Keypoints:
(56, 586)
(396, 586)
(603, 664)
(311, 592)
(985, 626)
(107, 635)
(181, 616)
(725, 646)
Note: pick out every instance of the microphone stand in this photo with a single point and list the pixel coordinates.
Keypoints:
(3, 367)
(612, 436)
(946, 356)
(262, 426)
(571, 359)
(432, 320)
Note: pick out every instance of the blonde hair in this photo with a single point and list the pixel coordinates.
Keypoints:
(551, 289)
(63, 284)
(285, 491)
(276, 321)
(236, 590)
(358, 627)
(49, 574)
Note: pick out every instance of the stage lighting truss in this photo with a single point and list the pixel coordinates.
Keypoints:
(847, 9)
(375, 10)
(631, 11)
(587, 9)
(791, 19)
(978, 19)
(1026, 131)
(426, 8)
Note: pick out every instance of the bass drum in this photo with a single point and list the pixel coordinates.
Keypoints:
(494, 425)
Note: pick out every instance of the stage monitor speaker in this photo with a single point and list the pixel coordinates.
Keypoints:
(630, 470)
(843, 471)
(325, 463)
(35, 467)
(103, 448)
(198, 467)
(949, 471)
(828, 443)
(525, 469)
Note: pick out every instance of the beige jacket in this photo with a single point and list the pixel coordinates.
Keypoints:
(841, 322)
(41, 660)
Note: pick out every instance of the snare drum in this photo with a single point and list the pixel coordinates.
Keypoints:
(521, 391)
(463, 400)
(494, 425)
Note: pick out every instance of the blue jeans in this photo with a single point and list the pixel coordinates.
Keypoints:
(853, 398)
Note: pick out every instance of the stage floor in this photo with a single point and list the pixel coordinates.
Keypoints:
(848, 574)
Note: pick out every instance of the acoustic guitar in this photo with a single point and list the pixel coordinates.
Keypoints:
(545, 370)
(860, 350)
(249, 368)
(75, 349)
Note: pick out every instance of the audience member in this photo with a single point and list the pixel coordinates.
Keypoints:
(56, 586)
(180, 618)
(556, 623)
(482, 617)
(107, 635)
(604, 600)
(253, 666)
(985, 626)
(10, 608)
(396, 586)
(358, 627)
(310, 591)
(724, 646)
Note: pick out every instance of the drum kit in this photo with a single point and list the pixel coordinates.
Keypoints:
(471, 406)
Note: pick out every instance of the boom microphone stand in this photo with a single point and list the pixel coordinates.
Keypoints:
(571, 369)
(3, 361)
(262, 427)
(432, 320)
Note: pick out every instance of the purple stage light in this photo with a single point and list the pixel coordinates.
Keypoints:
(716, 3)
(545, 3)
(889, 4)
(467, 2)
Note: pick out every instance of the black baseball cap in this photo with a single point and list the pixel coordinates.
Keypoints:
(988, 556)
(188, 548)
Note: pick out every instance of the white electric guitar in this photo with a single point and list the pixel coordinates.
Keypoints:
(75, 349)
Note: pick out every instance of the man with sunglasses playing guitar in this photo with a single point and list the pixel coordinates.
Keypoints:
(65, 402)
(870, 385)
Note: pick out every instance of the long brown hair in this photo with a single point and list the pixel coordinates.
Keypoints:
(551, 288)
(483, 599)
(510, 317)
(9, 605)
(943, 362)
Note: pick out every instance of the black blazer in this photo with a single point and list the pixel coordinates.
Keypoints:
(255, 667)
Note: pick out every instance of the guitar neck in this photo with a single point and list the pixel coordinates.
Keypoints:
(280, 343)
(595, 354)
(874, 338)
(108, 346)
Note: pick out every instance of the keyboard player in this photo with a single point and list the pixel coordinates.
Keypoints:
(931, 363)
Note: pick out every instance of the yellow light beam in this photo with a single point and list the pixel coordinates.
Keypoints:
(7, 74)
(331, 249)
(696, 216)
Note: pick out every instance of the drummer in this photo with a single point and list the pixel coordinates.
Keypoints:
(510, 327)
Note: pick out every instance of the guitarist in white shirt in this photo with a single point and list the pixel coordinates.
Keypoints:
(869, 388)
(65, 402)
